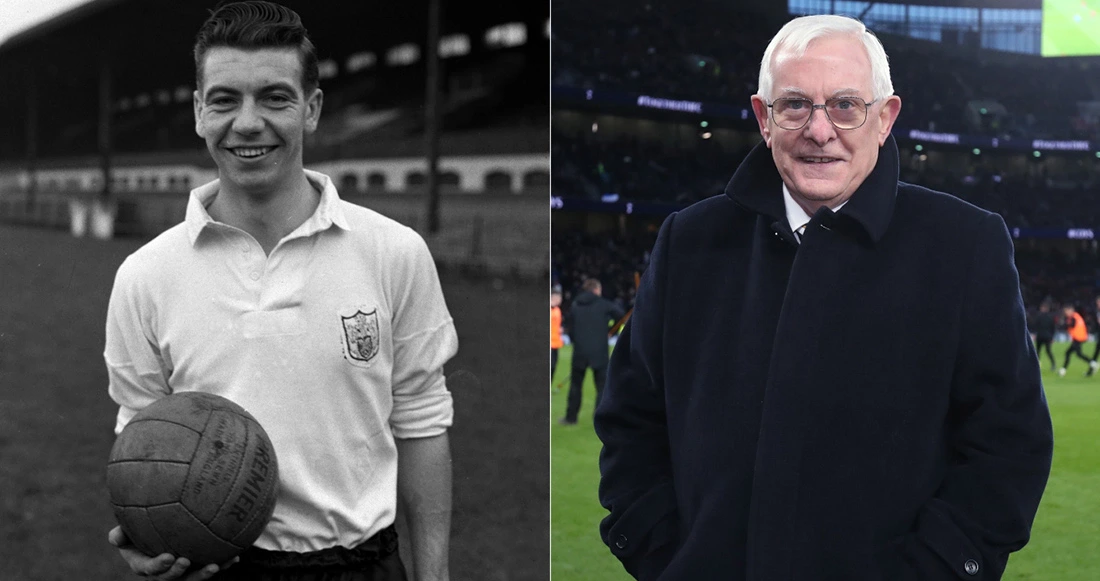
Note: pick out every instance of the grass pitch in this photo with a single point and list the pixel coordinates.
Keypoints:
(56, 419)
(1063, 538)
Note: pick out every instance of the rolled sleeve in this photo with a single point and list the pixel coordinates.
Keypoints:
(422, 405)
(424, 340)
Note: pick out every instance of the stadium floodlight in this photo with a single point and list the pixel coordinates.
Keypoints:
(506, 35)
(327, 69)
(403, 54)
(360, 61)
(454, 45)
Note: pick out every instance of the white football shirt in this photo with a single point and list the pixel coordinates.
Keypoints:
(335, 342)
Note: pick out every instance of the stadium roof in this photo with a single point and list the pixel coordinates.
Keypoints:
(1013, 4)
(148, 44)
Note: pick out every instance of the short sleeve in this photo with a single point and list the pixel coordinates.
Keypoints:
(424, 340)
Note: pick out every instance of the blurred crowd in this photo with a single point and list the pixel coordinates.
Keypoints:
(1059, 273)
(685, 173)
(707, 51)
(612, 258)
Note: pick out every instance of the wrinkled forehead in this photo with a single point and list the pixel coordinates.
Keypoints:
(835, 64)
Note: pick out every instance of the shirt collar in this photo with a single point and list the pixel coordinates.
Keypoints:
(796, 216)
(329, 212)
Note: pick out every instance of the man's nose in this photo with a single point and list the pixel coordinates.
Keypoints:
(819, 129)
(248, 119)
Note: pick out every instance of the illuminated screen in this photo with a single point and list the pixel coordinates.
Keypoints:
(1071, 28)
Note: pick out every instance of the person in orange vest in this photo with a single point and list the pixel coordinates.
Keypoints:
(1078, 334)
(555, 332)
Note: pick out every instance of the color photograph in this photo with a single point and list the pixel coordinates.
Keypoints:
(844, 262)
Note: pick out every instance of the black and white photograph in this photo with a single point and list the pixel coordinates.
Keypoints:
(271, 280)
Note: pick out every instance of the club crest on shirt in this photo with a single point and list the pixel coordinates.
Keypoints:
(361, 335)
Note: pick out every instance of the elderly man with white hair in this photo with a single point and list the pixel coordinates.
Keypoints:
(828, 374)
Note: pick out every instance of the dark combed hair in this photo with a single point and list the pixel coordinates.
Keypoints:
(255, 24)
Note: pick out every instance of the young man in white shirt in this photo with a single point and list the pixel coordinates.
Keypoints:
(323, 319)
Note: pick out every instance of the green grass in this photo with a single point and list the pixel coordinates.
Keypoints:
(576, 551)
(1062, 543)
(1062, 36)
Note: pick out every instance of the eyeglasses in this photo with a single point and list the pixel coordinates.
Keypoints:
(843, 112)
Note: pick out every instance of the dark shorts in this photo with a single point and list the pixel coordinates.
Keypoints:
(376, 559)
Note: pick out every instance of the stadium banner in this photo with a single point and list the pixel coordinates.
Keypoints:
(612, 204)
(1055, 233)
(643, 102)
(651, 102)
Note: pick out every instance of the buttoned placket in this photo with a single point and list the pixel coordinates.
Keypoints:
(252, 260)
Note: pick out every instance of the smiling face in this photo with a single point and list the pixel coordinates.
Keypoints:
(254, 115)
(820, 164)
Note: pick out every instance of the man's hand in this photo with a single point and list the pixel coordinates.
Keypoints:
(163, 567)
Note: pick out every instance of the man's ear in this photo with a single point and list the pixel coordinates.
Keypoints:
(313, 109)
(760, 109)
(196, 101)
(887, 116)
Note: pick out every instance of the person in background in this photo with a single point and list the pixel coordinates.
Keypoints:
(1094, 364)
(556, 342)
(1078, 334)
(1043, 332)
(590, 315)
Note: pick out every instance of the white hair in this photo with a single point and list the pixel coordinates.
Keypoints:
(796, 35)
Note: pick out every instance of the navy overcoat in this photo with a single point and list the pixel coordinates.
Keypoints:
(863, 406)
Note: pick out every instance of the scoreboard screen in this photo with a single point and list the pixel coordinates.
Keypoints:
(1071, 28)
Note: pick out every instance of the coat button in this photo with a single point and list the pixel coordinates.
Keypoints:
(621, 542)
(971, 567)
(255, 275)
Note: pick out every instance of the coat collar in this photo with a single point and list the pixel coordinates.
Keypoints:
(757, 186)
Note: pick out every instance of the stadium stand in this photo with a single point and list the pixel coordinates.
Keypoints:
(968, 127)
(372, 137)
